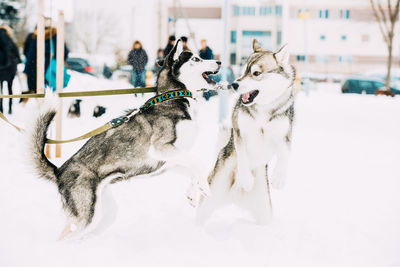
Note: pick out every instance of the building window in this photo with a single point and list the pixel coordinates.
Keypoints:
(233, 58)
(322, 37)
(233, 37)
(300, 13)
(345, 14)
(344, 59)
(265, 11)
(323, 13)
(322, 59)
(248, 11)
(264, 38)
(301, 58)
(236, 11)
(303, 14)
(278, 11)
(344, 37)
(279, 39)
(365, 38)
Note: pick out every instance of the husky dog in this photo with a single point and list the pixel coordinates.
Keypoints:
(150, 140)
(262, 122)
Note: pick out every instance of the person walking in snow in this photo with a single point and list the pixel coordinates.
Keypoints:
(50, 36)
(160, 57)
(170, 45)
(9, 59)
(138, 59)
(184, 43)
(205, 51)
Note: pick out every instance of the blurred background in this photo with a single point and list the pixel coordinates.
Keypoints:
(329, 41)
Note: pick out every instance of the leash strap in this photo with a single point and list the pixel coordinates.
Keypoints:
(89, 93)
(166, 96)
(82, 137)
(111, 124)
(117, 121)
(10, 123)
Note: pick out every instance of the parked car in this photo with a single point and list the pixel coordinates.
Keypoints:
(80, 65)
(361, 85)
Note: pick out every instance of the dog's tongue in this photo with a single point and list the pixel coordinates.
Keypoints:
(246, 97)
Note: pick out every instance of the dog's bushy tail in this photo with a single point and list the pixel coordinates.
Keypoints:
(38, 138)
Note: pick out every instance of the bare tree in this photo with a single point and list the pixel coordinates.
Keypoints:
(387, 19)
(94, 29)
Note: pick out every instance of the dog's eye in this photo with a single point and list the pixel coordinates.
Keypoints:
(196, 59)
(256, 73)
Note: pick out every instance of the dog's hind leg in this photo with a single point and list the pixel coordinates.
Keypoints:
(73, 226)
(80, 201)
(258, 200)
(221, 181)
(106, 212)
(106, 208)
(10, 92)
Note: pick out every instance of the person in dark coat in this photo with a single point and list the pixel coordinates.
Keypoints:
(9, 59)
(205, 52)
(27, 43)
(9, 54)
(170, 45)
(184, 43)
(30, 65)
(159, 60)
(138, 59)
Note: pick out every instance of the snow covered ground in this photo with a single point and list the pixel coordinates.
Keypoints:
(340, 207)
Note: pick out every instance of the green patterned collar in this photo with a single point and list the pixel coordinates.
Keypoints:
(165, 97)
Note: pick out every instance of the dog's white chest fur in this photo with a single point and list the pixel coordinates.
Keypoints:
(262, 138)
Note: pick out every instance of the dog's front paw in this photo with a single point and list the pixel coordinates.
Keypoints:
(193, 196)
(204, 188)
(278, 181)
(246, 185)
(195, 191)
(244, 181)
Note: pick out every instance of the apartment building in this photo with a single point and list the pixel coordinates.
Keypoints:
(324, 36)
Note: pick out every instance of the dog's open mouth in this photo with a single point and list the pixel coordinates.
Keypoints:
(248, 97)
(208, 79)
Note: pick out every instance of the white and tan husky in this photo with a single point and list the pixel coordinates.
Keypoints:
(262, 122)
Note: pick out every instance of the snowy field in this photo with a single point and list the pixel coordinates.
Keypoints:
(340, 206)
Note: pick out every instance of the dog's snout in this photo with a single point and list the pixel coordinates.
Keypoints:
(235, 86)
(219, 62)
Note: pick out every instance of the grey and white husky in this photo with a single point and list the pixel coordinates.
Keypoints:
(150, 140)
(262, 122)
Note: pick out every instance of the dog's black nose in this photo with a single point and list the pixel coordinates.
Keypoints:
(219, 62)
(235, 86)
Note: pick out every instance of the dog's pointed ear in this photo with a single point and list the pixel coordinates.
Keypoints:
(174, 53)
(179, 49)
(256, 46)
(282, 55)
